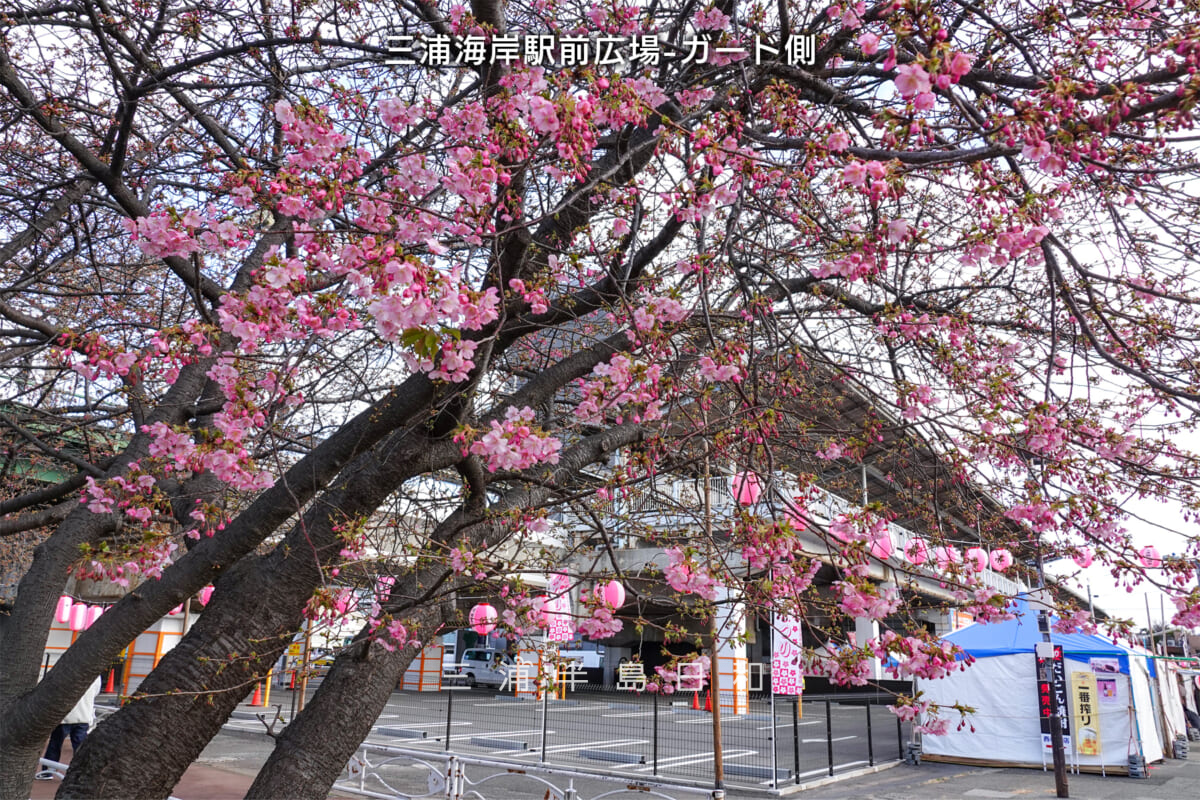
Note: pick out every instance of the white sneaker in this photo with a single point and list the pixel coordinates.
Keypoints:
(44, 775)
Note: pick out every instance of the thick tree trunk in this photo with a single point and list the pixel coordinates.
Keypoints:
(29, 710)
(313, 750)
(143, 750)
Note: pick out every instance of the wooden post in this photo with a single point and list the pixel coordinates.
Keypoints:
(304, 665)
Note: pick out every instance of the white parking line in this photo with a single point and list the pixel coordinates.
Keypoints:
(825, 770)
(573, 746)
(632, 714)
(680, 761)
(588, 707)
(823, 739)
(788, 725)
(599, 745)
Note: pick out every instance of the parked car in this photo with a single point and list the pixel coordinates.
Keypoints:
(485, 666)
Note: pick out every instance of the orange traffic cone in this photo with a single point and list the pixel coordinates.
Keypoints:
(292, 683)
(708, 701)
(695, 701)
(257, 699)
(108, 687)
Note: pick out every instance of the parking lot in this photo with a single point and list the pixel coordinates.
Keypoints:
(643, 736)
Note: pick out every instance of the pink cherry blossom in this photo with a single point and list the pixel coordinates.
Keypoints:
(912, 79)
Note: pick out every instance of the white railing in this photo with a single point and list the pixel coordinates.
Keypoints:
(375, 770)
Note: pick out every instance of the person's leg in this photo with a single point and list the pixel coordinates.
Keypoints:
(78, 734)
(54, 749)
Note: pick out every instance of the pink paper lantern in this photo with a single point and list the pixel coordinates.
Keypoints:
(94, 614)
(1150, 557)
(205, 595)
(945, 556)
(63, 612)
(614, 594)
(1083, 557)
(483, 619)
(79, 613)
(793, 513)
(977, 558)
(746, 489)
(882, 548)
(916, 552)
(1001, 560)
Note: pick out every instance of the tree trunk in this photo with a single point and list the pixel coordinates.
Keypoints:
(143, 750)
(313, 750)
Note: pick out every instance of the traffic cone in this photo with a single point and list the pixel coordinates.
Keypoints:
(257, 699)
(708, 701)
(109, 688)
(695, 701)
(292, 682)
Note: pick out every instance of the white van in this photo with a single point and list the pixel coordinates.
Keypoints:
(485, 666)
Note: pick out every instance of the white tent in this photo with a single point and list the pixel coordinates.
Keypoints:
(1002, 686)
(1172, 700)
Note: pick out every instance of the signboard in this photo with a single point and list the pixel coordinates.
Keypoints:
(1059, 683)
(1087, 719)
(1107, 689)
(787, 672)
(560, 627)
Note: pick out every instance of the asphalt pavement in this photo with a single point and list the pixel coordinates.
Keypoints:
(228, 765)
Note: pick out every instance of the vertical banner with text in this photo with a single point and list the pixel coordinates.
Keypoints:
(1087, 721)
(1057, 684)
(787, 673)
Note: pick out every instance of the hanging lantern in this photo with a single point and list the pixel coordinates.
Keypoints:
(916, 552)
(746, 488)
(1150, 557)
(793, 513)
(483, 619)
(945, 556)
(63, 612)
(613, 594)
(1001, 560)
(94, 614)
(882, 548)
(1083, 557)
(205, 595)
(79, 612)
(977, 558)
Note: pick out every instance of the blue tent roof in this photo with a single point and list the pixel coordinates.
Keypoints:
(1021, 634)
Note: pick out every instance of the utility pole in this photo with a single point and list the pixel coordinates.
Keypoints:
(1061, 787)
(714, 664)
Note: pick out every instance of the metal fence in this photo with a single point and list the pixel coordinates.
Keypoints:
(768, 745)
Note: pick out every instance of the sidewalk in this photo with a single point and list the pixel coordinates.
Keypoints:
(1169, 780)
(200, 782)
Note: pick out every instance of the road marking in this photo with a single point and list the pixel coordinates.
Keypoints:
(823, 739)
(825, 770)
(598, 745)
(788, 725)
(681, 761)
(632, 714)
(560, 747)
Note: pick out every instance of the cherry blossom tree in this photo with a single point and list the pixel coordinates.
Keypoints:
(294, 285)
